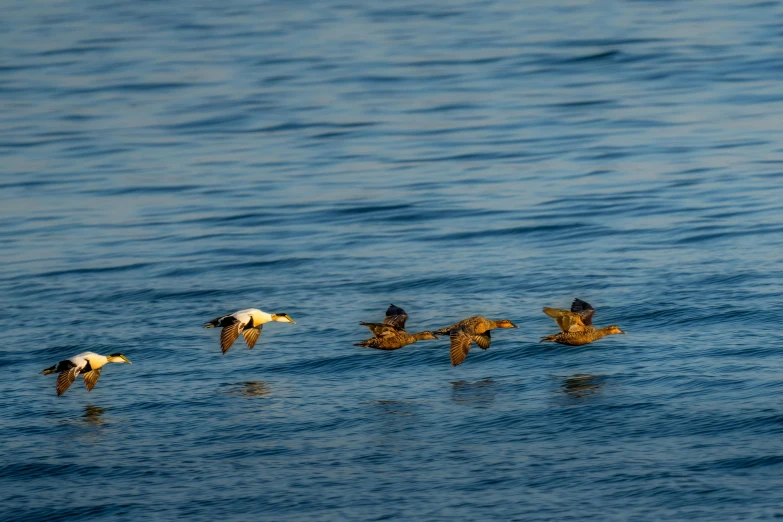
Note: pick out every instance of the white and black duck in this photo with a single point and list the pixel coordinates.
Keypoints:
(246, 322)
(88, 364)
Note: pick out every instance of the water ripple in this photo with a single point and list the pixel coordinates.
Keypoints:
(164, 165)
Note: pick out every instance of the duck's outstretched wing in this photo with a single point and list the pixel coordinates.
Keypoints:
(230, 333)
(91, 378)
(566, 320)
(66, 378)
(584, 310)
(482, 340)
(395, 316)
(460, 345)
(251, 335)
(381, 329)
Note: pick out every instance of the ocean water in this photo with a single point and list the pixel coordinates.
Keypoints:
(165, 163)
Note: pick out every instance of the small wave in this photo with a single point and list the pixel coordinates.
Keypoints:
(126, 88)
(224, 121)
(595, 57)
(392, 14)
(298, 126)
(738, 463)
(729, 234)
(142, 189)
(570, 229)
(96, 270)
(29, 470)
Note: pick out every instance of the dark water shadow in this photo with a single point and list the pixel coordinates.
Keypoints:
(91, 428)
(249, 389)
(394, 407)
(479, 394)
(581, 386)
(389, 423)
(94, 415)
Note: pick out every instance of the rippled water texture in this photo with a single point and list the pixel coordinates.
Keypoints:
(164, 163)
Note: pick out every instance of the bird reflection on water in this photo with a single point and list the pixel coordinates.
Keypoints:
(477, 393)
(93, 414)
(581, 386)
(250, 389)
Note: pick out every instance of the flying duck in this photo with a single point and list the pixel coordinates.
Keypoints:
(246, 322)
(473, 329)
(89, 364)
(391, 334)
(577, 325)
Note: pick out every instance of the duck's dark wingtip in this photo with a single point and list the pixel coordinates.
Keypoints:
(580, 305)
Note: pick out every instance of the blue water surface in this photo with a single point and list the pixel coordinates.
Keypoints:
(164, 163)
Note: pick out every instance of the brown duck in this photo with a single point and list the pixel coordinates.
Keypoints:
(471, 330)
(577, 325)
(391, 334)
